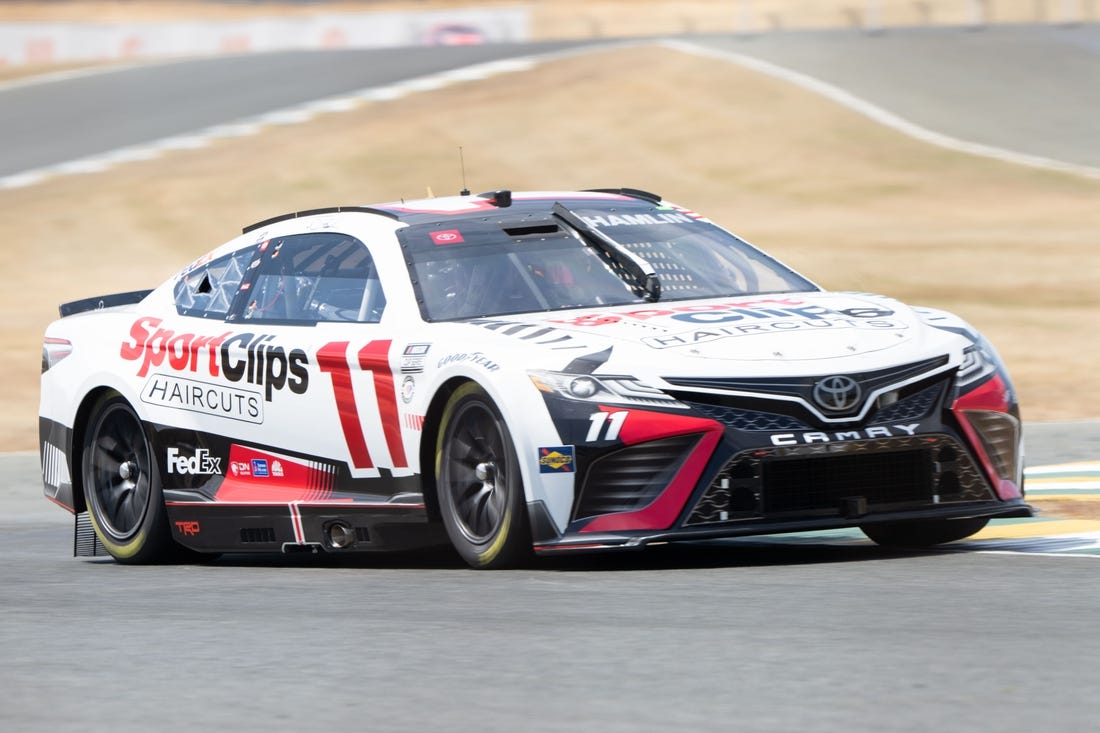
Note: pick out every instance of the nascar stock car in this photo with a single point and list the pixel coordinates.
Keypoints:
(515, 374)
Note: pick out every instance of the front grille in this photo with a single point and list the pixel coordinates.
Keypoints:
(631, 478)
(754, 414)
(913, 407)
(841, 479)
(781, 390)
(803, 386)
(756, 420)
(825, 484)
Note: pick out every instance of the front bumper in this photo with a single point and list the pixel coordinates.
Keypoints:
(769, 473)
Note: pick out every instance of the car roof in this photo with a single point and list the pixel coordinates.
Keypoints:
(518, 203)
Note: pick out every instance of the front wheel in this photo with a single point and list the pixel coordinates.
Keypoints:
(923, 532)
(480, 487)
(122, 486)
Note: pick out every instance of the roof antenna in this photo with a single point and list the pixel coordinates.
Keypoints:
(462, 164)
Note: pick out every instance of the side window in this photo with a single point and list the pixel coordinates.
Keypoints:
(314, 277)
(208, 290)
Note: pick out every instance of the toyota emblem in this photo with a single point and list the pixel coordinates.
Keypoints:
(837, 394)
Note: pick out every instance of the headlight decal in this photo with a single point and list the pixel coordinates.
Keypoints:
(602, 389)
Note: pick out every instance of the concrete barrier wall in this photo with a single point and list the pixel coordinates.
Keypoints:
(45, 43)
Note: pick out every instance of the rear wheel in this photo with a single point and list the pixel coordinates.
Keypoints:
(478, 478)
(923, 533)
(122, 486)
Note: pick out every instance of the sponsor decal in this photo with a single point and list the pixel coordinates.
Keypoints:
(408, 388)
(703, 335)
(620, 220)
(746, 318)
(689, 212)
(879, 431)
(644, 314)
(447, 236)
(248, 358)
(538, 333)
(263, 476)
(556, 459)
(808, 312)
(413, 358)
(188, 529)
(209, 399)
(474, 357)
(202, 463)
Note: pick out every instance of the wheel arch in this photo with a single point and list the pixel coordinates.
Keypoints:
(433, 419)
(80, 429)
(84, 414)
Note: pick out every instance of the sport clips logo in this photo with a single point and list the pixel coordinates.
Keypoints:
(243, 357)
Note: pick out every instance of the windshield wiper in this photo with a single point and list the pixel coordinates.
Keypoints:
(642, 276)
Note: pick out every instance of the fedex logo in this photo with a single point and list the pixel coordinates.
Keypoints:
(200, 464)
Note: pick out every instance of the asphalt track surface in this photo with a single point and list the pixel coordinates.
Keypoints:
(72, 118)
(1030, 89)
(755, 635)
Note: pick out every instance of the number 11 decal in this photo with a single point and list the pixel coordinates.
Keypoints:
(332, 358)
(613, 420)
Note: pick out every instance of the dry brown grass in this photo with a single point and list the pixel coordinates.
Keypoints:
(855, 205)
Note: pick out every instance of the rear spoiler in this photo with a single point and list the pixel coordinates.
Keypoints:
(101, 302)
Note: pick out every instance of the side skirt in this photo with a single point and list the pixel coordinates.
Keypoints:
(301, 526)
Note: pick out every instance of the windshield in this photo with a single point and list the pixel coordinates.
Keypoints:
(467, 268)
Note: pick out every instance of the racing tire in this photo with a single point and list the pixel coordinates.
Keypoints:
(923, 532)
(480, 488)
(122, 486)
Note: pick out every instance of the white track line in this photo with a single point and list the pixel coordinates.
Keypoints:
(880, 115)
(289, 116)
(352, 100)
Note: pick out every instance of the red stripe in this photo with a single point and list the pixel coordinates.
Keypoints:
(333, 359)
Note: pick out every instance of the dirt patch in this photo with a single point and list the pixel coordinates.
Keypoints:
(1067, 509)
(854, 205)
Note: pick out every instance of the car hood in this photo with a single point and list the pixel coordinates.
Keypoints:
(779, 329)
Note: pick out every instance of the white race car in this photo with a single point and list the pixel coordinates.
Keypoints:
(540, 372)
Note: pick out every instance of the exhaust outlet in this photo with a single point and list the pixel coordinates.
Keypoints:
(340, 535)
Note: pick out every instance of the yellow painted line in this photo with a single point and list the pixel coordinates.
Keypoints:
(1065, 485)
(1063, 497)
(1060, 479)
(1075, 466)
(1039, 529)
